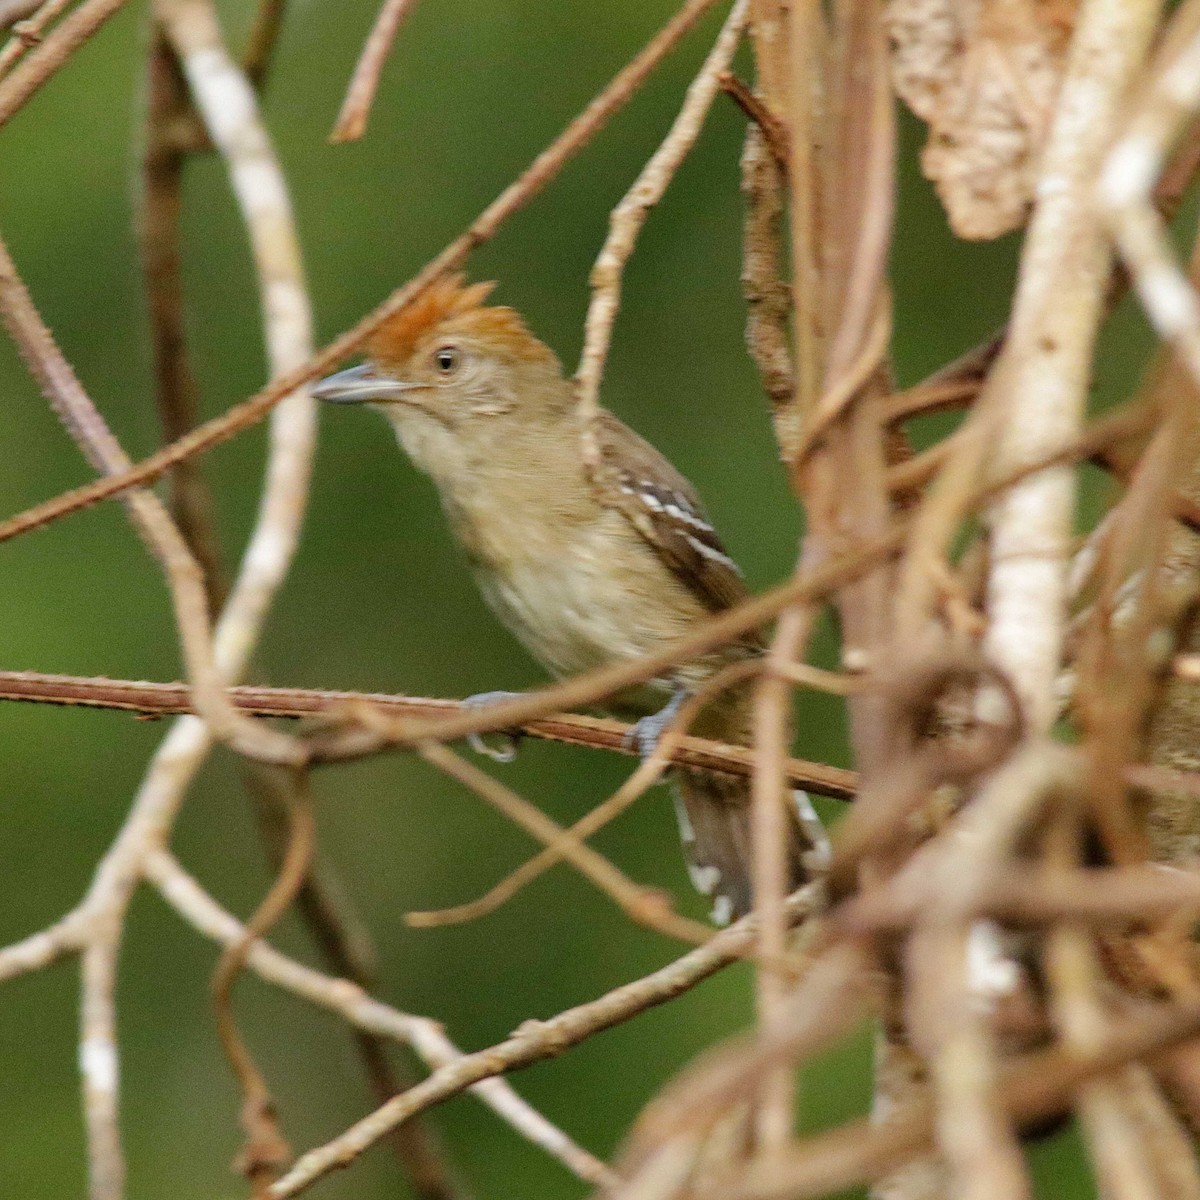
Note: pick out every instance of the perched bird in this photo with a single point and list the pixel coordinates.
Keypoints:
(580, 577)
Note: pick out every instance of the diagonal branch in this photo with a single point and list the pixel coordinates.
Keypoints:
(351, 122)
(360, 1010)
(534, 1041)
(540, 172)
(630, 214)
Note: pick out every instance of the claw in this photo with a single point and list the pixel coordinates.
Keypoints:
(507, 750)
(645, 733)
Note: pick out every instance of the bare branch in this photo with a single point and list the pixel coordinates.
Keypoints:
(627, 218)
(19, 86)
(169, 699)
(358, 1009)
(540, 172)
(534, 1041)
(351, 123)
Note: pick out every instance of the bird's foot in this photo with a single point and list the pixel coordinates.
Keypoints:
(510, 739)
(645, 733)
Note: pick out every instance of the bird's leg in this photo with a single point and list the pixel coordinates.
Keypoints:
(507, 750)
(646, 732)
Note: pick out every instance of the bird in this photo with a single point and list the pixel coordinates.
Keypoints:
(582, 576)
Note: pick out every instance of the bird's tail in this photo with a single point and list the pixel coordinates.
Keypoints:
(714, 812)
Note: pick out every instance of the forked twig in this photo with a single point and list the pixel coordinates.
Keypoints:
(643, 905)
(361, 1011)
(534, 1041)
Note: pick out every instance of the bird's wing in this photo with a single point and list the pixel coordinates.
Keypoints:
(664, 508)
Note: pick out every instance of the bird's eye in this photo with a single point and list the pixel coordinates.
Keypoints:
(446, 359)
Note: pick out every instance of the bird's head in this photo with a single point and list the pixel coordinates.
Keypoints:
(453, 375)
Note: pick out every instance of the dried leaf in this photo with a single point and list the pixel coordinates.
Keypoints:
(984, 75)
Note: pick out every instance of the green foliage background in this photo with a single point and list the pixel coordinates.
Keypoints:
(378, 598)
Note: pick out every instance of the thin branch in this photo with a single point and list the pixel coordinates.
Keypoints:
(767, 295)
(534, 1041)
(169, 699)
(265, 1150)
(12, 11)
(28, 33)
(770, 799)
(627, 218)
(646, 906)
(351, 123)
(87, 427)
(99, 1061)
(772, 129)
(42, 949)
(668, 748)
(175, 390)
(227, 104)
(264, 37)
(19, 86)
(361, 1011)
(540, 172)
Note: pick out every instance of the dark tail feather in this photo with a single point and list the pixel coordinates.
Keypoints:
(714, 826)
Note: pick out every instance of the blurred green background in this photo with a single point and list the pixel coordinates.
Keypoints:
(378, 598)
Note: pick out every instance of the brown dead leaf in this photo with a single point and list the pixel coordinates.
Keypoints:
(983, 74)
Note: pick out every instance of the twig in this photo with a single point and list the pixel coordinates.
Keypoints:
(804, 47)
(228, 107)
(12, 11)
(536, 1040)
(1125, 192)
(85, 424)
(27, 78)
(540, 172)
(264, 37)
(265, 1151)
(43, 948)
(361, 1011)
(667, 749)
(28, 33)
(767, 296)
(169, 699)
(773, 130)
(775, 1113)
(1115, 896)
(175, 390)
(643, 905)
(627, 218)
(834, 994)
(99, 1063)
(351, 123)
